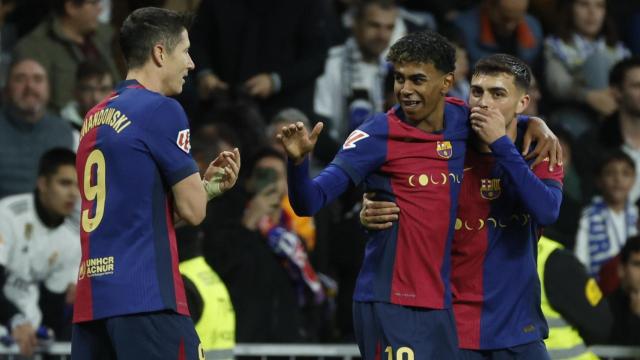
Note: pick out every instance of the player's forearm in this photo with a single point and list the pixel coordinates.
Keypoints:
(308, 196)
(7, 309)
(541, 200)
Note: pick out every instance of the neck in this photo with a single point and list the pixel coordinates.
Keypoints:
(435, 120)
(630, 128)
(70, 31)
(147, 78)
(29, 117)
(616, 206)
(48, 218)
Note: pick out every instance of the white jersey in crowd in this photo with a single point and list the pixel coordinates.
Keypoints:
(33, 253)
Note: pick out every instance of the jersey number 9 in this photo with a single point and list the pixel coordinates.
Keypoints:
(94, 192)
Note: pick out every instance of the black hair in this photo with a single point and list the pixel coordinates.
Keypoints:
(611, 156)
(58, 6)
(505, 64)
(566, 27)
(89, 69)
(146, 27)
(264, 152)
(53, 159)
(426, 47)
(631, 246)
(620, 69)
(362, 6)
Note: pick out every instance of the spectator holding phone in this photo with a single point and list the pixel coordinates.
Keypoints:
(262, 258)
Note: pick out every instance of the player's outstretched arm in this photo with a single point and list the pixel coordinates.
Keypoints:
(377, 215)
(297, 141)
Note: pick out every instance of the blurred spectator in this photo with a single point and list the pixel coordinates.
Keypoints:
(72, 35)
(535, 95)
(625, 302)
(40, 251)
(461, 87)
(610, 219)
(351, 87)
(208, 298)
(93, 84)
(26, 129)
(621, 130)
(627, 18)
(501, 26)
(578, 58)
(564, 229)
(260, 256)
(275, 58)
(571, 302)
(8, 37)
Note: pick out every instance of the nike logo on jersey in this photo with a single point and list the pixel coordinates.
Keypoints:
(184, 140)
(353, 138)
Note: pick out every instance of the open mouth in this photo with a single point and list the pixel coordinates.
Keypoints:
(410, 103)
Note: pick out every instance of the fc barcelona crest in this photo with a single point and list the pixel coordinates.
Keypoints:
(444, 149)
(490, 189)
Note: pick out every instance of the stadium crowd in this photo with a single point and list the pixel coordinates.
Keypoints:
(269, 275)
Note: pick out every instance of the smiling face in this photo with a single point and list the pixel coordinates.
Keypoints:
(420, 88)
(177, 63)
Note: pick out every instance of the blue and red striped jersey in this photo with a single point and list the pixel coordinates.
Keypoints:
(409, 264)
(495, 286)
(134, 147)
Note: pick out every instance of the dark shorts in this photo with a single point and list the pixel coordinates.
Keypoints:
(388, 331)
(531, 351)
(157, 335)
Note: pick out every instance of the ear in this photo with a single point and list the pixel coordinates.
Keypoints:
(620, 270)
(447, 83)
(41, 184)
(70, 8)
(523, 103)
(617, 94)
(158, 54)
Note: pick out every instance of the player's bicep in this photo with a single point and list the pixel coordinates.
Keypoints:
(5, 238)
(169, 142)
(365, 150)
(190, 199)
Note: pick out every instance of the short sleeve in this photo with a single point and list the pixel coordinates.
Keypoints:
(365, 149)
(168, 140)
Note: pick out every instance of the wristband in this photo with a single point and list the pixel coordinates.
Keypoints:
(212, 187)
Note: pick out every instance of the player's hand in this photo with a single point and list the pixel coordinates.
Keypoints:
(634, 301)
(489, 124)
(260, 86)
(264, 203)
(208, 83)
(70, 294)
(25, 336)
(377, 215)
(547, 144)
(296, 140)
(224, 169)
(602, 101)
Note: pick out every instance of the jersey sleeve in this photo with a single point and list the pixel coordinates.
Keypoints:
(552, 178)
(365, 150)
(168, 140)
(6, 236)
(65, 272)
